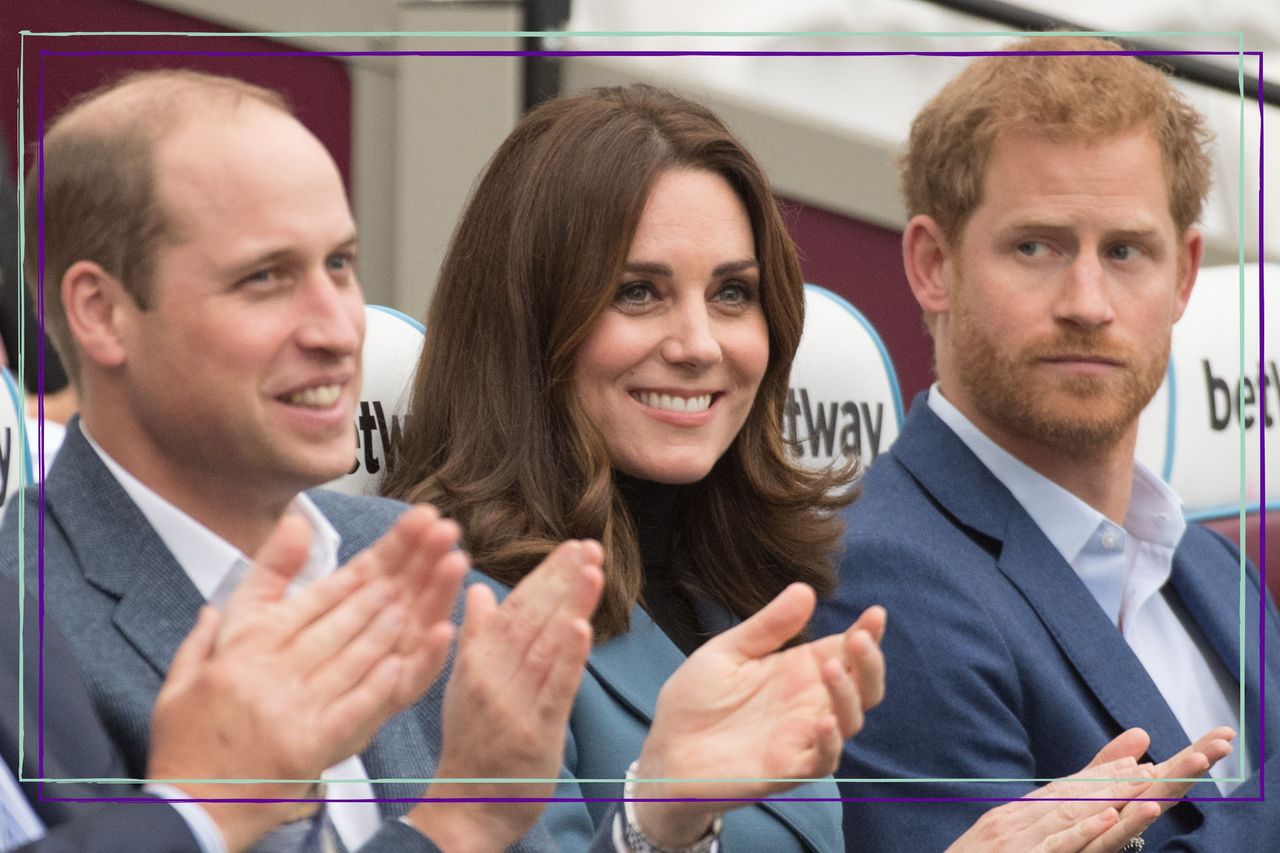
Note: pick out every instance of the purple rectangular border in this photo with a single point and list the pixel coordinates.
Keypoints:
(40, 374)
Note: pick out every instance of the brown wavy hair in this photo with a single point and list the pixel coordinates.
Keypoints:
(496, 437)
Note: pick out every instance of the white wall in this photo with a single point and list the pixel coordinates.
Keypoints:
(827, 129)
(423, 127)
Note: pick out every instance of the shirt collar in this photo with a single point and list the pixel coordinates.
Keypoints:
(1154, 513)
(214, 565)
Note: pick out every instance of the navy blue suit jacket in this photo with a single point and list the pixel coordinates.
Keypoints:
(76, 746)
(1001, 664)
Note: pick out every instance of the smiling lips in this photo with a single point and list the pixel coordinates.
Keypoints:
(316, 397)
(674, 402)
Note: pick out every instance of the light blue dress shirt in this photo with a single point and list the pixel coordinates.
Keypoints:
(1126, 568)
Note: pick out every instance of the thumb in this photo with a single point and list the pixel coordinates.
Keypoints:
(481, 604)
(276, 564)
(775, 623)
(194, 651)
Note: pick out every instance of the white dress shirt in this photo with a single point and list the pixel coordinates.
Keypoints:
(19, 824)
(215, 567)
(1126, 569)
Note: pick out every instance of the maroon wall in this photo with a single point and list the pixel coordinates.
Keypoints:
(317, 87)
(863, 263)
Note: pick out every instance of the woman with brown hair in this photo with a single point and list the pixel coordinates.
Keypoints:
(607, 357)
(577, 382)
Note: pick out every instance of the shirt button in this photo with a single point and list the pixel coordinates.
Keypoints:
(1110, 540)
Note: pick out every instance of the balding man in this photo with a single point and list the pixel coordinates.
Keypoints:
(199, 275)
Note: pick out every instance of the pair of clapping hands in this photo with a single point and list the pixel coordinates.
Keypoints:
(279, 689)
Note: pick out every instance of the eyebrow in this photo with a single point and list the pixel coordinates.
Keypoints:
(1057, 230)
(274, 257)
(656, 268)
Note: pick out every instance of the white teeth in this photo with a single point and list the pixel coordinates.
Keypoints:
(319, 397)
(674, 404)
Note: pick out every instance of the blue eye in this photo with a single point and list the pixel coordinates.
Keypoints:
(1031, 248)
(635, 293)
(262, 276)
(736, 293)
(1122, 251)
(340, 262)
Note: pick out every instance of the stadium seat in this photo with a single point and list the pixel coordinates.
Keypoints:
(392, 345)
(15, 460)
(1206, 428)
(844, 398)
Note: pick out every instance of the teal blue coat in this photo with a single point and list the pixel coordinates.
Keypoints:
(610, 720)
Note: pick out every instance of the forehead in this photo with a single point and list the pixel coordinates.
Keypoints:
(245, 179)
(693, 210)
(1115, 182)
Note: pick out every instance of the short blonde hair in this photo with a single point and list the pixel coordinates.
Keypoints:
(100, 187)
(1061, 98)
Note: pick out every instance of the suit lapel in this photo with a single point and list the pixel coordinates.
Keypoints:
(634, 666)
(119, 552)
(406, 746)
(1084, 633)
(398, 751)
(964, 487)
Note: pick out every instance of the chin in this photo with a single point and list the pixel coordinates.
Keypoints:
(319, 469)
(669, 472)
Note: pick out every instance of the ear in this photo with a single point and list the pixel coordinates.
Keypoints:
(925, 257)
(1189, 254)
(94, 302)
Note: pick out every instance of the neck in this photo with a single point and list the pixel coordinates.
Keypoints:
(1101, 476)
(244, 514)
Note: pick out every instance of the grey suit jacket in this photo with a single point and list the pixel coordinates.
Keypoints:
(76, 747)
(125, 604)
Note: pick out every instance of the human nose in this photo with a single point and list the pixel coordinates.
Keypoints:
(691, 340)
(1085, 299)
(331, 315)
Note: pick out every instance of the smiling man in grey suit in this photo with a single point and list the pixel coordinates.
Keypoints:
(336, 647)
(199, 279)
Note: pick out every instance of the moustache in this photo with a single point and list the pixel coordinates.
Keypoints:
(1084, 345)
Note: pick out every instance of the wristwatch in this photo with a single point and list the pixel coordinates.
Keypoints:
(638, 842)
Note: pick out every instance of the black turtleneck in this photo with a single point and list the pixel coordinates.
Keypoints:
(657, 510)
